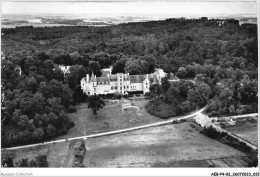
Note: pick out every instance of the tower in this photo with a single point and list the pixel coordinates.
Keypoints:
(93, 84)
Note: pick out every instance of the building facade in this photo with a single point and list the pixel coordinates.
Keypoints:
(65, 69)
(120, 83)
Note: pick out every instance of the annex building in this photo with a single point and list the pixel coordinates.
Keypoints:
(120, 83)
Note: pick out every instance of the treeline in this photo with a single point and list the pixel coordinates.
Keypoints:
(177, 98)
(226, 91)
(7, 160)
(234, 88)
(35, 103)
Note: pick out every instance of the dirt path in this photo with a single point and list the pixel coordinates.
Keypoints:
(67, 159)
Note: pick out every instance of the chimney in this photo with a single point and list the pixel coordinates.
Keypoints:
(87, 77)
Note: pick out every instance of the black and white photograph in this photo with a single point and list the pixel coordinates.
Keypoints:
(168, 86)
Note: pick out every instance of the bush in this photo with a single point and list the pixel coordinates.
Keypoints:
(41, 161)
(79, 154)
(212, 133)
(254, 162)
(7, 159)
(72, 109)
(147, 94)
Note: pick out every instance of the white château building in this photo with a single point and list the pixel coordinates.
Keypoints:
(120, 83)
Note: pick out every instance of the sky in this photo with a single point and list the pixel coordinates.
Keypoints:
(129, 8)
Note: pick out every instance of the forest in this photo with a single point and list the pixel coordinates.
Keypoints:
(221, 59)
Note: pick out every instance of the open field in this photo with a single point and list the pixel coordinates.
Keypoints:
(167, 145)
(175, 145)
(245, 128)
(58, 155)
(111, 117)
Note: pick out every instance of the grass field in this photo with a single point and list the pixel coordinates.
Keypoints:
(246, 128)
(58, 155)
(111, 117)
(175, 145)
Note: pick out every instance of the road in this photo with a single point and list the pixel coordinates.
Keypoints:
(110, 132)
(236, 117)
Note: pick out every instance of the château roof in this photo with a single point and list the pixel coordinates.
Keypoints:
(102, 80)
(83, 79)
(104, 73)
(113, 77)
(93, 78)
(137, 78)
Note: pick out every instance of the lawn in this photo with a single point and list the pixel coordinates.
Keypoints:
(111, 117)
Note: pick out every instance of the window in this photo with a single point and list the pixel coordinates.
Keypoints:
(115, 87)
(94, 89)
(112, 88)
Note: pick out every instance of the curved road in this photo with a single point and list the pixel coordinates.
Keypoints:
(110, 132)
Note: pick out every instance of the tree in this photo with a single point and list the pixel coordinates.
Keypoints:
(50, 131)
(41, 161)
(63, 60)
(199, 94)
(151, 62)
(165, 84)
(119, 66)
(154, 90)
(38, 134)
(226, 95)
(42, 56)
(133, 67)
(78, 95)
(173, 94)
(95, 68)
(23, 163)
(77, 72)
(181, 72)
(102, 58)
(95, 103)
